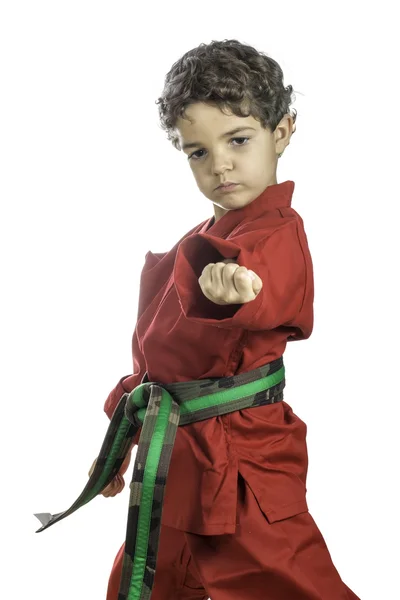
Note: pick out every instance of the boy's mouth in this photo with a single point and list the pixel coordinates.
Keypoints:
(224, 183)
(227, 186)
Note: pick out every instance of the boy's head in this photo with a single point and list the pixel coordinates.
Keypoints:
(214, 89)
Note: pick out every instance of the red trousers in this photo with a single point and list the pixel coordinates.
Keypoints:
(283, 560)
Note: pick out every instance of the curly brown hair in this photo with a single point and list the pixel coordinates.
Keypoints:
(230, 75)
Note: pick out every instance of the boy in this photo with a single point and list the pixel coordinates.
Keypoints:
(222, 303)
(235, 521)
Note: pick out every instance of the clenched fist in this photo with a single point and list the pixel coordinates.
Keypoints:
(118, 483)
(227, 283)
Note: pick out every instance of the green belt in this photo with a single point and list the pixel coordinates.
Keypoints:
(161, 409)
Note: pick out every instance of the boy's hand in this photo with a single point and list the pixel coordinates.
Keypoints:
(118, 483)
(227, 283)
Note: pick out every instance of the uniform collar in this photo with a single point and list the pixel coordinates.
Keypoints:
(274, 196)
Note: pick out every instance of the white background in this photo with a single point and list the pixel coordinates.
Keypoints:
(89, 184)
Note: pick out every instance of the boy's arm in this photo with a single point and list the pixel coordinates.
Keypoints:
(127, 383)
(281, 259)
(149, 284)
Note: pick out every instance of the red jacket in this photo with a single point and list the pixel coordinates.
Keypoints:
(180, 335)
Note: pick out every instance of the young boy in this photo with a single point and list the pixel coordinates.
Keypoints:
(219, 306)
(235, 523)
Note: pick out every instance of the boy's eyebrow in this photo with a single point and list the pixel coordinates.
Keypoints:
(227, 134)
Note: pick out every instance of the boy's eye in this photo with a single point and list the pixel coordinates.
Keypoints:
(193, 155)
(240, 139)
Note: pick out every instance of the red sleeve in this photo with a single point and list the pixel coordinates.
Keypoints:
(127, 383)
(150, 282)
(281, 259)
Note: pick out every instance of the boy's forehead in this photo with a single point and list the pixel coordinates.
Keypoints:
(204, 120)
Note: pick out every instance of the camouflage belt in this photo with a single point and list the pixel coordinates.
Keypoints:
(159, 409)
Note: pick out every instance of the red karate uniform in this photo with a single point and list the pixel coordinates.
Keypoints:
(235, 522)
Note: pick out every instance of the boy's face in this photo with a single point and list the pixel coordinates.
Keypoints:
(248, 157)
